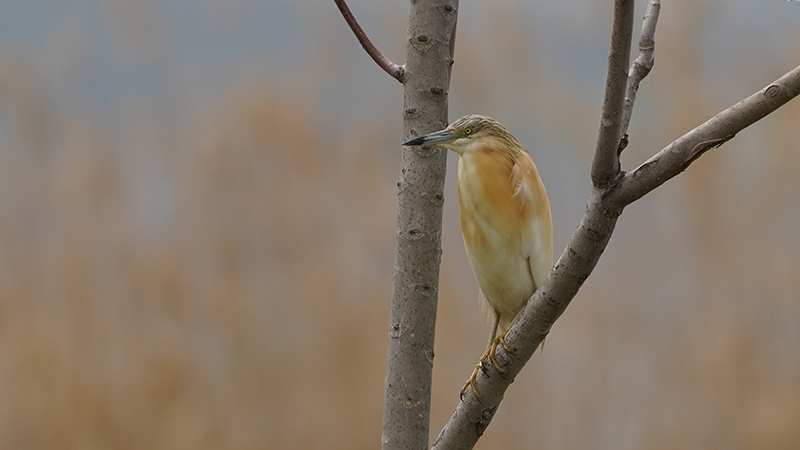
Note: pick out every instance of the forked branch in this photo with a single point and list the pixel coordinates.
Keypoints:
(395, 70)
(613, 190)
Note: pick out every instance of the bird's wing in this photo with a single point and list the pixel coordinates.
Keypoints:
(534, 209)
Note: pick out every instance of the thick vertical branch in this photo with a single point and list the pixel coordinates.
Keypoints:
(415, 284)
(605, 166)
(406, 413)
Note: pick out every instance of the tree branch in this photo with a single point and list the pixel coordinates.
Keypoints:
(420, 200)
(395, 70)
(641, 66)
(605, 166)
(474, 413)
(678, 155)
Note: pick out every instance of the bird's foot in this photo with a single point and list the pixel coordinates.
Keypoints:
(471, 382)
(502, 340)
(493, 348)
(490, 351)
(480, 366)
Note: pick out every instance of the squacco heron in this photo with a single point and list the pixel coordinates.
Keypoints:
(505, 219)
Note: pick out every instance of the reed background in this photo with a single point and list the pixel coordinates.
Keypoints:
(197, 204)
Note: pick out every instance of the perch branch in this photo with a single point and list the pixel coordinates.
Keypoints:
(395, 70)
(473, 414)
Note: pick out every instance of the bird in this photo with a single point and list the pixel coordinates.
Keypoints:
(505, 219)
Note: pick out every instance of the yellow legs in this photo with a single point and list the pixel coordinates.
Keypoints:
(490, 350)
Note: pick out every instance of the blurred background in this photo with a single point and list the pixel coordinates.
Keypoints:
(197, 206)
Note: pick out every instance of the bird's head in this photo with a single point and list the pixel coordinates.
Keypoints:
(466, 133)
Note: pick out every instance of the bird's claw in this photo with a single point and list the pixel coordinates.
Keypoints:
(490, 354)
(471, 382)
(500, 340)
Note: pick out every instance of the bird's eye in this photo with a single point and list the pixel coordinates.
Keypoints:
(468, 131)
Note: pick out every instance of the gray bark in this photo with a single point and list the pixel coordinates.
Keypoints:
(407, 389)
(425, 76)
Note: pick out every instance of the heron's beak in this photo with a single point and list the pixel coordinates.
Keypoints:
(439, 137)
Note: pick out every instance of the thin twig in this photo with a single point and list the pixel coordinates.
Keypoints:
(605, 166)
(395, 70)
(641, 66)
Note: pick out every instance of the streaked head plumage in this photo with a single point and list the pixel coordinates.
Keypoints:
(466, 132)
(476, 126)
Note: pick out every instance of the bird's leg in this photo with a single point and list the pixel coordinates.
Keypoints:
(495, 324)
(489, 352)
(493, 343)
(502, 340)
(493, 348)
(502, 337)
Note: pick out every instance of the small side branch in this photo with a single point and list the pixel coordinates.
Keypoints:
(395, 70)
(605, 166)
(641, 66)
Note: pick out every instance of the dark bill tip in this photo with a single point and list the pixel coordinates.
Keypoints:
(416, 141)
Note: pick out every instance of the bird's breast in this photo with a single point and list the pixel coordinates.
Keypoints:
(486, 195)
(495, 229)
